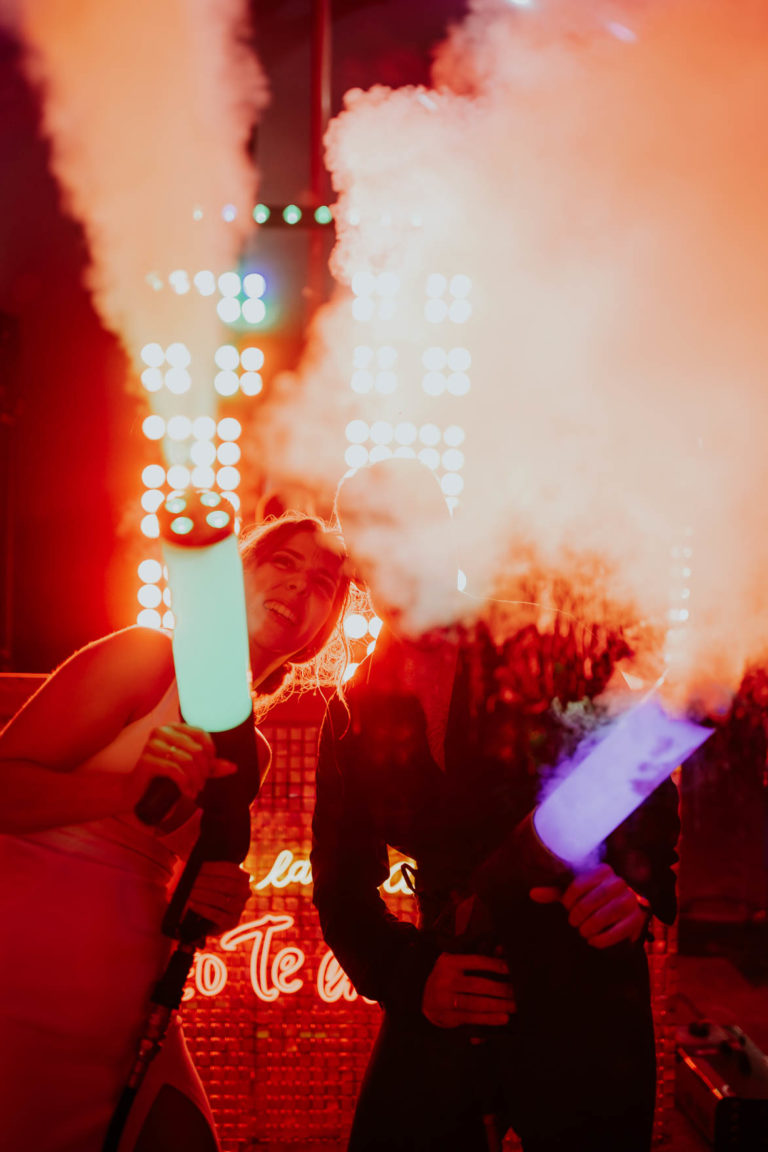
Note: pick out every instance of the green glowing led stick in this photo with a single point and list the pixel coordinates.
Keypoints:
(210, 637)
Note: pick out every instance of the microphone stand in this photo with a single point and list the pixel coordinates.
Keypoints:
(210, 648)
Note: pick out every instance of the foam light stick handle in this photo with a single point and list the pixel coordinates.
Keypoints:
(210, 638)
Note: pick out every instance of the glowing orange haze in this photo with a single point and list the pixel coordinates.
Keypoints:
(607, 197)
(148, 106)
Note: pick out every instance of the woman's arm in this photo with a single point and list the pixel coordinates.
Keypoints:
(386, 958)
(80, 709)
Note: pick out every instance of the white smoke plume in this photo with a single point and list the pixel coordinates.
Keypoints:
(600, 173)
(148, 106)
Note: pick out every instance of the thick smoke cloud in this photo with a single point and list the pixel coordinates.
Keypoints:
(600, 172)
(148, 106)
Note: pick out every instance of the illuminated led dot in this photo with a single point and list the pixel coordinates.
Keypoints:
(362, 356)
(254, 310)
(452, 484)
(382, 432)
(252, 359)
(435, 311)
(371, 648)
(226, 357)
(154, 281)
(179, 476)
(458, 384)
(430, 457)
(453, 435)
(229, 213)
(356, 456)
(205, 282)
(380, 452)
(178, 355)
(363, 283)
(227, 478)
(406, 433)
(459, 359)
(460, 311)
(292, 214)
(229, 428)
(202, 452)
(436, 284)
(218, 519)
(374, 626)
(362, 381)
(153, 476)
(461, 579)
(226, 383)
(169, 621)
(429, 434)
(179, 427)
(363, 308)
(357, 431)
(151, 499)
(387, 284)
(434, 359)
(178, 381)
(204, 428)
(433, 383)
(261, 213)
(228, 309)
(148, 618)
(167, 595)
(453, 460)
(152, 379)
(387, 356)
(229, 284)
(460, 285)
(150, 526)
(203, 477)
(182, 525)
(386, 382)
(175, 503)
(179, 281)
(233, 499)
(149, 596)
(152, 355)
(254, 284)
(355, 626)
(150, 571)
(228, 453)
(349, 672)
(251, 383)
(153, 427)
(323, 214)
(678, 615)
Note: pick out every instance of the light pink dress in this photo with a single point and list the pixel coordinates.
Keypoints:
(80, 950)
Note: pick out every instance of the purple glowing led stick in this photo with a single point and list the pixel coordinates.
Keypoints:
(640, 750)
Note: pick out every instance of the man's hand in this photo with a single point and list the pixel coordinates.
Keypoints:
(600, 905)
(457, 992)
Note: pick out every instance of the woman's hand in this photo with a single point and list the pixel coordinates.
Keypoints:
(600, 905)
(220, 893)
(184, 754)
(457, 992)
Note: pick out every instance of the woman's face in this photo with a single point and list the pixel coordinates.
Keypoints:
(289, 595)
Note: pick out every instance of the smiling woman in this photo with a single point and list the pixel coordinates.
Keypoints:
(296, 586)
(85, 883)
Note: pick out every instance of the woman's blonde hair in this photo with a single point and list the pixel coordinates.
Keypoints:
(322, 662)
